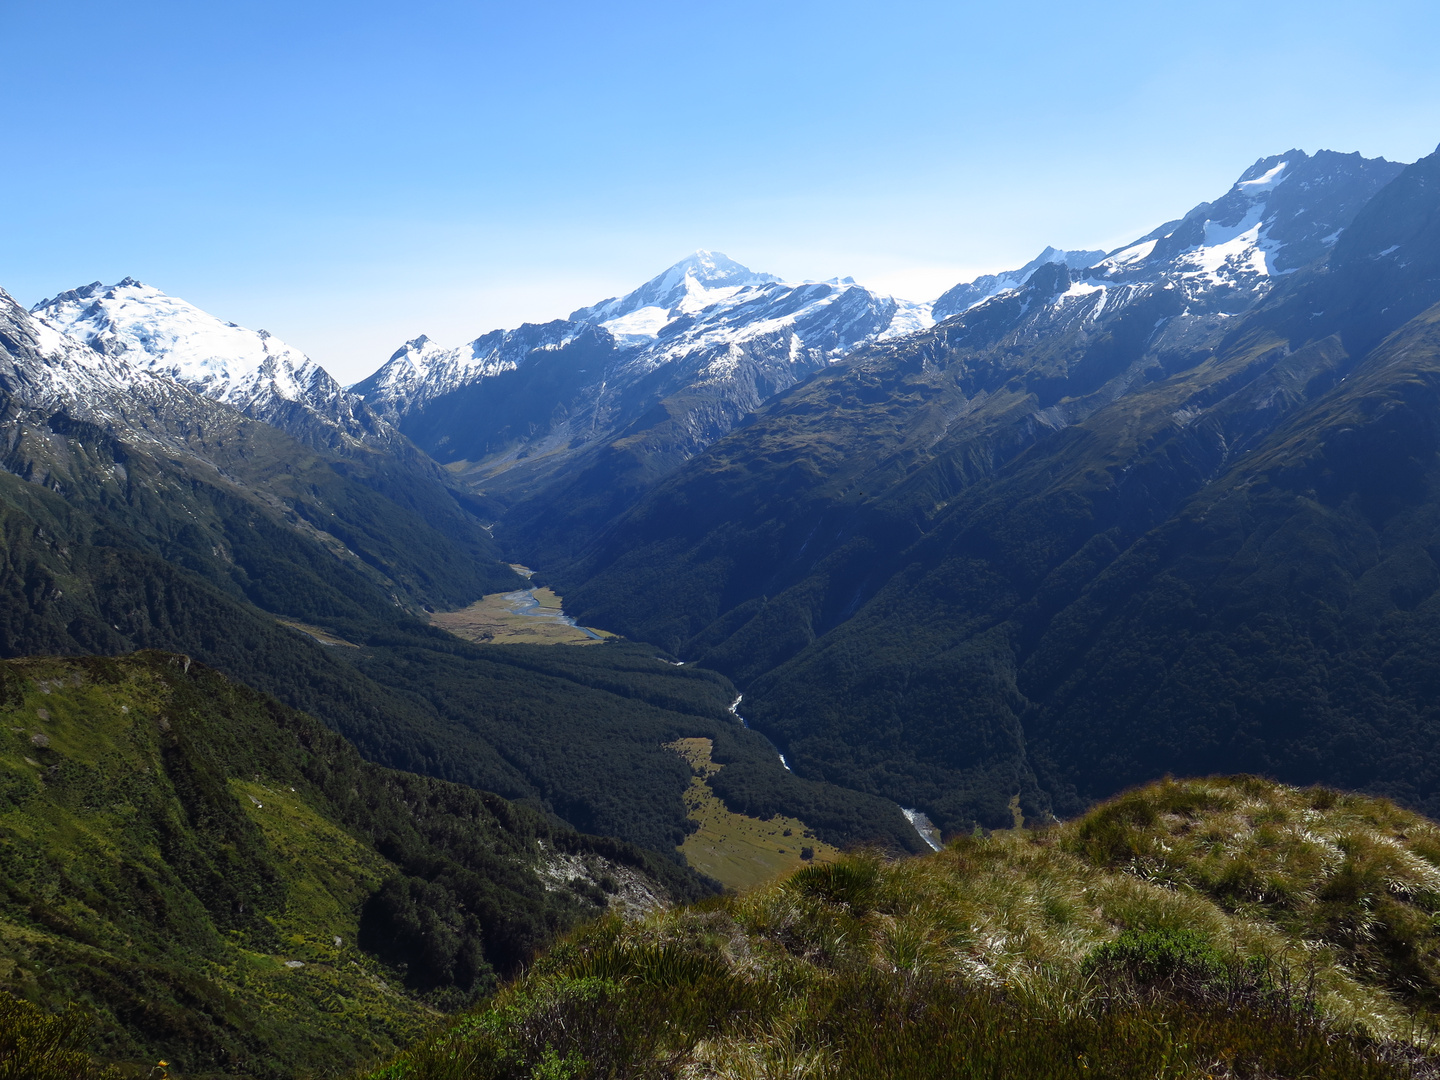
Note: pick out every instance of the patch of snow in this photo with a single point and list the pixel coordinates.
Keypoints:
(641, 325)
(1232, 251)
(1272, 179)
(910, 318)
(1133, 254)
(1217, 235)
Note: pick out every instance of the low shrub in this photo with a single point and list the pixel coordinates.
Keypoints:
(36, 1045)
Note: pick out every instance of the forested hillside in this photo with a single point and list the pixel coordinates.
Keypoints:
(1113, 523)
(227, 885)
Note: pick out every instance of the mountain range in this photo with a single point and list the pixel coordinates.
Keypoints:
(1169, 508)
(740, 469)
(1110, 523)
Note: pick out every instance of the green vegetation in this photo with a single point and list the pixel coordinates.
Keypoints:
(582, 732)
(738, 851)
(227, 885)
(36, 1045)
(1190, 930)
(580, 738)
(313, 534)
(952, 570)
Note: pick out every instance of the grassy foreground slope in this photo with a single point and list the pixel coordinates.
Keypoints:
(1212, 928)
(225, 884)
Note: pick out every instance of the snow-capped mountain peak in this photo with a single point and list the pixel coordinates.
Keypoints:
(1283, 212)
(1269, 179)
(968, 294)
(252, 370)
(61, 371)
(688, 287)
(166, 335)
(707, 327)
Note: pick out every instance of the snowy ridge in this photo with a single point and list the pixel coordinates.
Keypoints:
(146, 330)
(45, 371)
(705, 318)
(690, 286)
(421, 369)
(971, 294)
(816, 323)
(708, 341)
(1285, 212)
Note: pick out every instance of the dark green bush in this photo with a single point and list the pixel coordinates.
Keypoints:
(1150, 957)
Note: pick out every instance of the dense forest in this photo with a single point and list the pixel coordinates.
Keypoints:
(223, 882)
(576, 732)
(1010, 557)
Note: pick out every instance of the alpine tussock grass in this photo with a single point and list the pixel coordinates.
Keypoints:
(1226, 927)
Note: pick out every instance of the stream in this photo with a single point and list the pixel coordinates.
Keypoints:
(923, 826)
(523, 602)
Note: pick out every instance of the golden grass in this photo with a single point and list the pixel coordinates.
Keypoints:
(979, 960)
(492, 620)
(738, 851)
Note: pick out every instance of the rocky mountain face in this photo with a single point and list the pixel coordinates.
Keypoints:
(969, 293)
(1172, 511)
(141, 329)
(595, 408)
(569, 423)
(228, 496)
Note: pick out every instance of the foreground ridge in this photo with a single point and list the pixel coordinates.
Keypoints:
(1218, 927)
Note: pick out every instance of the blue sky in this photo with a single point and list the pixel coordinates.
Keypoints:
(351, 175)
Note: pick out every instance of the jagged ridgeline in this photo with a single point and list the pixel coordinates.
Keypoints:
(225, 884)
(1194, 929)
(329, 529)
(152, 515)
(1175, 511)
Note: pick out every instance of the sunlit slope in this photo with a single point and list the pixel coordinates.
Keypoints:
(737, 850)
(1193, 929)
(228, 886)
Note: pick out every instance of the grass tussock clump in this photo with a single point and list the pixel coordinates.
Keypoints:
(1202, 929)
(36, 1045)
